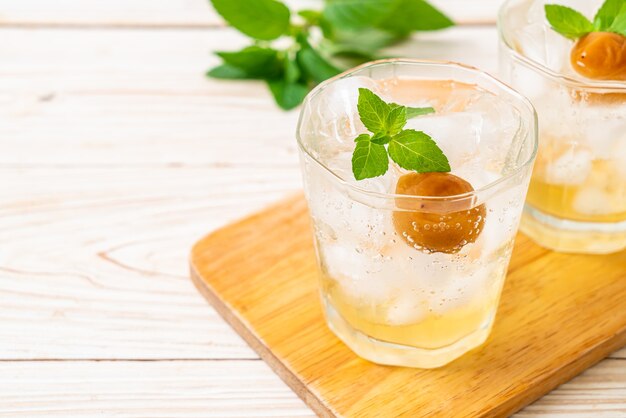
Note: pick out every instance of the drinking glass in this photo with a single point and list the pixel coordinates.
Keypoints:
(577, 196)
(390, 299)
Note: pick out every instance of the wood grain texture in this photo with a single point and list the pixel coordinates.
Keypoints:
(177, 13)
(170, 63)
(117, 154)
(559, 314)
(93, 261)
(229, 389)
(207, 389)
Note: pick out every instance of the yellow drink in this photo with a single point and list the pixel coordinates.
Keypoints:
(570, 185)
(432, 331)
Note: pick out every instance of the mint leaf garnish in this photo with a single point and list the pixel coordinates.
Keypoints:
(567, 21)
(410, 149)
(619, 23)
(412, 112)
(373, 111)
(259, 19)
(381, 138)
(396, 119)
(369, 160)
(414, 150)
(607, 13)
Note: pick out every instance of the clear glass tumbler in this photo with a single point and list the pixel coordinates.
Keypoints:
(389, 299)
(577, 196)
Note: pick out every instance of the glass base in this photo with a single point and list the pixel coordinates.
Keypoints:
(573, 236)
(386, 353)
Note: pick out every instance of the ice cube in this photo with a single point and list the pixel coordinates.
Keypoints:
(341, 165)
(534, 84)
(501, 221)
(618, 155)
(571, 167)
(351, 222)
(467, 287)
(604, 127)
(457, 134)
(407, 308)
(593, 201)
(336, 112)
(541, 43)
(557, 117)
(356, 273)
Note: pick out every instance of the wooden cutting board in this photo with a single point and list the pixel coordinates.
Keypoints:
(559, 314)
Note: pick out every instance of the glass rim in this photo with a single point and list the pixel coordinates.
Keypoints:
(418, 62)
(608, 86)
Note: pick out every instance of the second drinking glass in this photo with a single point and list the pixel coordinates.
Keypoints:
(577, 196)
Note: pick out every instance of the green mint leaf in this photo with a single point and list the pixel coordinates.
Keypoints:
(381, 138)
(287, 95)
(412, 112)
(311, 17)
(362, 52)
(373, 111)
(368, 40)
(356, 14)
(228, 72)
(414, 15)
(314, 65)
(369, 160)
(259, 19)
(257, 62)
(410, 149)
(607, 13)
(395, 16)
(396, 119)
(414, 150)
(292, 69)
(619, 23)
(567, 21)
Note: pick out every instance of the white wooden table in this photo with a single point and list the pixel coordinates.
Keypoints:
(116, 154)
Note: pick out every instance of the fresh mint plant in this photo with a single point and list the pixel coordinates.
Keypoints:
(410, 149)
(320, 42)
(611, 17)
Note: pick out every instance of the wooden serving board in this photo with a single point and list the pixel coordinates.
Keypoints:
(559, 314)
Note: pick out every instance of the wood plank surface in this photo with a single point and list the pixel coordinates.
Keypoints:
(93, 260)
(229, 389)
(117, 154)
(261, 276)
(173, 63)
(177, 13)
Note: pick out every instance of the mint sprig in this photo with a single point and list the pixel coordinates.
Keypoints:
(567, 21)
(410, 149)
(606, 14)
(619, 23)
(611, 17)
(353, 31)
